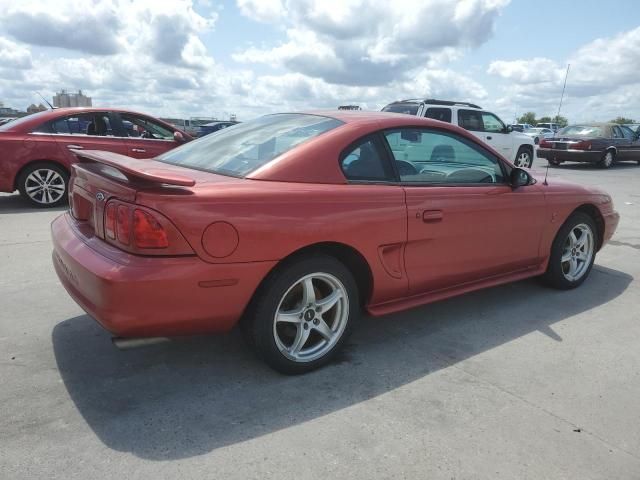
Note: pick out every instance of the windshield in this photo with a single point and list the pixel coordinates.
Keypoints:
(248, 146)
(581, 131)
(408, 108)
(15, 124)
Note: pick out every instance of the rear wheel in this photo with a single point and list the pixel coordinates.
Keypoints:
(555, 163)
(607, 159)
(524, 157)
(572, 253)
(303, 314)
(44, 184)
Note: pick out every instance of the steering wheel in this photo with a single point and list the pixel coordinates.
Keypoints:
(406, 168)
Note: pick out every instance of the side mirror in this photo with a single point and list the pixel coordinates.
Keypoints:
(520, 178)
(508, 129)
(179, 137)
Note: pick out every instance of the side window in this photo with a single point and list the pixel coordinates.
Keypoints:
(627, 132)
(492, 123)
(617, 133)
(93, 124)
(431, 157)
(442, 114)
(142, 127)
(365, 163)
(470, 120)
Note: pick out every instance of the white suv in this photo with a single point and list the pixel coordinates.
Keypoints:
(516, 146)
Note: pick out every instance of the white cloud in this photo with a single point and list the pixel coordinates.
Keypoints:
(14, 56)
(262, 10)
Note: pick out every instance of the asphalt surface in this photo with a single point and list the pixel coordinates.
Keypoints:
(514, 382)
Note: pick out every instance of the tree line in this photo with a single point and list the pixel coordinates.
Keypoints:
(530, 118)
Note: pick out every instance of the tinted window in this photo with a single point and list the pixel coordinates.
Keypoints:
(442, 114)
(627, 132)
(426, 156)
(407, 108)
(364, 162)
(142, 127)
(492, 123)
(93, 124)
(248, 146)
(470, 120)
(617, 133)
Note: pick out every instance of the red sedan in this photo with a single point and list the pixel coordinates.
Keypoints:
(292, 224)
(37, 150)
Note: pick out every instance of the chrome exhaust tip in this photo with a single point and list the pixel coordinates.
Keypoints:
(135, 342)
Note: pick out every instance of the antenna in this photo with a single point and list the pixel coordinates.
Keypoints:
(566, 75)
(46, 101)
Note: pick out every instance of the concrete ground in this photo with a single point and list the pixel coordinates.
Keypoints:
(514, 382)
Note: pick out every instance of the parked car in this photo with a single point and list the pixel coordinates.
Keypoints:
(208, 128)
(191, 125)
(4, 120)
(551, 126)
(289, 224)
(515, 146)
(520, 127)
(38, 150)
(598, 143)
(538, 133)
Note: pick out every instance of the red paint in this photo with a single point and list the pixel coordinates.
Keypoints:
(421, 244)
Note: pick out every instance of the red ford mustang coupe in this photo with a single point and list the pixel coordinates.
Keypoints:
(292, 224)
(37, 150)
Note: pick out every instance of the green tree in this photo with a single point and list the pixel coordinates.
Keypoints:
(544, 120)
(622, 120)
(529, 117)
(561, 121)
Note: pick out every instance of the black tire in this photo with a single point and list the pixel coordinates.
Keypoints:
(555, 275)
(607, 159)
(258, 324)
(524, 150)
(554, 163)
(45, 194)
(536, 140)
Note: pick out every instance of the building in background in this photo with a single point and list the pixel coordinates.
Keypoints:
(64, 99)
(33, 108)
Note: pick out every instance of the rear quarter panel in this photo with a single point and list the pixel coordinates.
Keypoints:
(275, 219)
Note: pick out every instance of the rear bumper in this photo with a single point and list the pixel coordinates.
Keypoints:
(134, 296)
(585, 156)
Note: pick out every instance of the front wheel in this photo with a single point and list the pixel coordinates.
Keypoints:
(44, 184)
(524, 157)
(303, 314)
(572, 253)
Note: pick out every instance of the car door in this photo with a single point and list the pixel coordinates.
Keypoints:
(625, 143)
(465, 222)
(497, 135)
(633, 152)
(146, 138)
(87, 131)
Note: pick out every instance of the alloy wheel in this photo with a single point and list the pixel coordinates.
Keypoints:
(45, 186)
(523, 160)
(311, 317)
(577, 252)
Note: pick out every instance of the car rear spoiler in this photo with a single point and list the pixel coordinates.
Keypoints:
(133, 168)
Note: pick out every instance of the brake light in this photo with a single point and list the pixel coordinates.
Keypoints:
(582, 145)
(544, 144)
(110, 221)
(123, 224)
(147, 231)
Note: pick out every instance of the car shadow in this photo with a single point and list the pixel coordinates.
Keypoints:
(17, 204)
(194, 395)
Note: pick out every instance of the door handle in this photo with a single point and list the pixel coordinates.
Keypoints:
(75, 147)
(432, 216)
(139, 150)
(489, 137)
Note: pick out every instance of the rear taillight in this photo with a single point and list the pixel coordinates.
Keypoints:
(147, 231)
(123, 224)
(544, 144)
(582, 145)
(141, 230)
(110, 221)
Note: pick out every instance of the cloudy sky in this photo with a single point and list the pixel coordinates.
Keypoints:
(213, 58)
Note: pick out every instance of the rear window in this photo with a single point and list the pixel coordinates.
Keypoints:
(582, 131)
(248, 146)
(407, 108)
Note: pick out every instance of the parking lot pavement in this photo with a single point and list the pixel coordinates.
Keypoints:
(517, 381)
